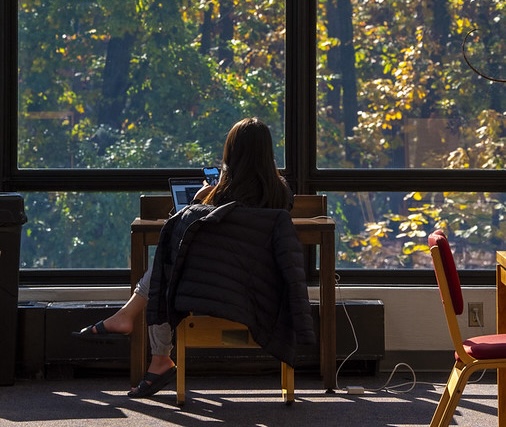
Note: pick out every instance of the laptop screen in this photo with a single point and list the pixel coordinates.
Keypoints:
(183, 190)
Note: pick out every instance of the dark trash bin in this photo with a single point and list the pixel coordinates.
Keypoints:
(12, 217)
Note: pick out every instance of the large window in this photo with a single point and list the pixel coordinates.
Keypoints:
(369, 101)
(151, 85)
(394, 91)
(144, 84)
(388, 230)
(78, 229)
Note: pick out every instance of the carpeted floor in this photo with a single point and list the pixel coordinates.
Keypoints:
(252, 401)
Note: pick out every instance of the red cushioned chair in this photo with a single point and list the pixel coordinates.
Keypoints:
(471, 355)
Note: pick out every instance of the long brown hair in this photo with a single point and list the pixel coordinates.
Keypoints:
(248, 172)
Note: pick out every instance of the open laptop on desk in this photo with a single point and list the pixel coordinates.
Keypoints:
(183, 190)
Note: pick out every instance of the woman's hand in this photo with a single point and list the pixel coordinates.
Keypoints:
(203, 192)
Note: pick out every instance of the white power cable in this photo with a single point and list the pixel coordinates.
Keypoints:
(393, 388)
(386, 386)
(351, 326)
(483, 331)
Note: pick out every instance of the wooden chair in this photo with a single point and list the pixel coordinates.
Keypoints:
(471, 355)
(309, 206)
(211, 332)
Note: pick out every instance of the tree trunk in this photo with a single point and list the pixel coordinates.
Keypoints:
(440, 29)
(347, 50)
(206, 31)
(225, 55)
(496, 90)
(334, 65)
(115, 80)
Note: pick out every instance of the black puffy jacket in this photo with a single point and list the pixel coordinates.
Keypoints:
(241, 264)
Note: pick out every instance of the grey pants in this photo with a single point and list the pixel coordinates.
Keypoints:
(160, 336)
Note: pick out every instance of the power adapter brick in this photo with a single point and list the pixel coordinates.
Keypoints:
(355, 389)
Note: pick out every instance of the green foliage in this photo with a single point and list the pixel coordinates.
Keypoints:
(78, 229)
(173, 104)
(158, 69)
(420, 106)
(398, 239)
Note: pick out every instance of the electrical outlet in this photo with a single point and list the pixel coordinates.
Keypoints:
(475, 314)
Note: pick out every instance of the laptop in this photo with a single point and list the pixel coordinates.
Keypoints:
(183, 190)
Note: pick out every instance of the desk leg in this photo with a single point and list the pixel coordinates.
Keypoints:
(501, 329)
(138, 337)
(328, 311)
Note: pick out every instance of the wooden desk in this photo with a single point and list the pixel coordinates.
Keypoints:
(320, 231)
(501, 329)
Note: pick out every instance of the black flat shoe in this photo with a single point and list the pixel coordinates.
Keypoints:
(158, 381)
(102, 335)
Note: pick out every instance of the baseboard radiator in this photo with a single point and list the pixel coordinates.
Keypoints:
(46, 348)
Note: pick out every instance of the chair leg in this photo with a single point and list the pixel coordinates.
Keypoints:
(287, 383)
(181, 365)
(501, 396)
(456, 393)
(451, 395)
(443, 402)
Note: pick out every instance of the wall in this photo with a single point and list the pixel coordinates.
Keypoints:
(414, 318)
(415, 325)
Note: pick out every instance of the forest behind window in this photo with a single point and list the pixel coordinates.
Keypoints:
(143, 84)
(138, 84)
(394, 90)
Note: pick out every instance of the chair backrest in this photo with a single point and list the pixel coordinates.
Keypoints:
(309, 206)
(449, 287)
(439, 239)
(153, 207)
